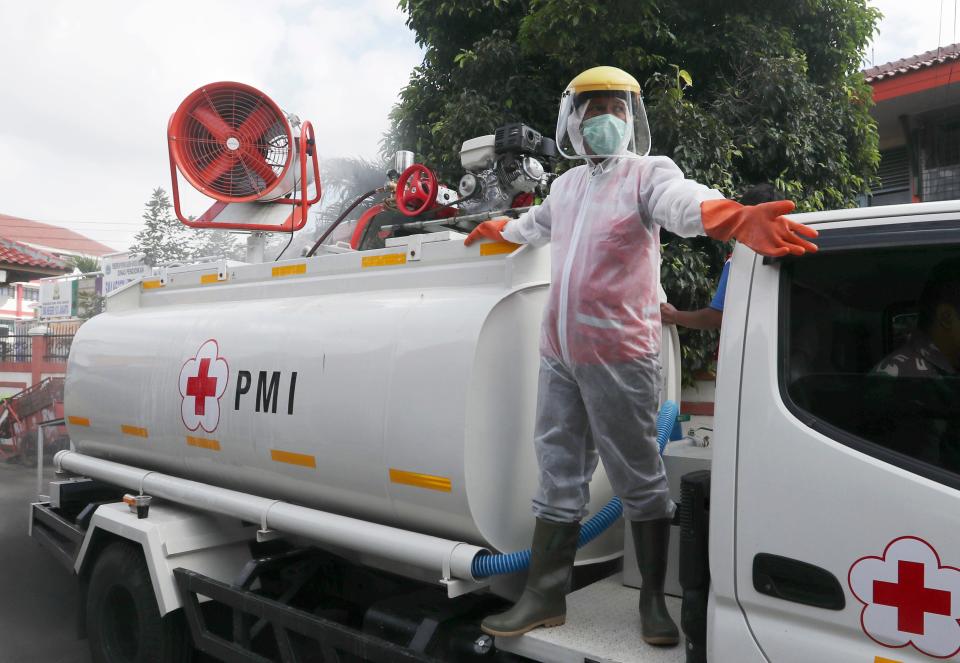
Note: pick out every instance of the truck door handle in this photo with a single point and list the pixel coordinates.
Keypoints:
(800, 582)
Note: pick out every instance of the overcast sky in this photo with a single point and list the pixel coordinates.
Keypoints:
(87, 87)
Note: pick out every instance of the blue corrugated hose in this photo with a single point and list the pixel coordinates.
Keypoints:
(485, 565)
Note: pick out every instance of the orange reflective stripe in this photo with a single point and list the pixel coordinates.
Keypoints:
(78, 421)
(289, 270)
(135, 431)
(497, 248)
(291, 458)
(428, 481)
(203, 443)
(384, 261)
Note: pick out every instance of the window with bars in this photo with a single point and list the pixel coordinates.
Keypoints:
(940, 156)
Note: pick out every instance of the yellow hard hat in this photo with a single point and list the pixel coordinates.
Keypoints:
(600, 82)
(603, 78)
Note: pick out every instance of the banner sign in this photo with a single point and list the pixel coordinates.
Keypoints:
(58, 299)
(120, 268)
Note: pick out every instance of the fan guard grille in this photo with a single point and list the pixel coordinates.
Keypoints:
(231, 142)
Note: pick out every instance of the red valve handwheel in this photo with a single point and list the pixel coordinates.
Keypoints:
(416, 190)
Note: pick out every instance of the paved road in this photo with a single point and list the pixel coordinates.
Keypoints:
(38, 597)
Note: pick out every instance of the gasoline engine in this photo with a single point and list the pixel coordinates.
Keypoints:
(506, 172)
(503, 167)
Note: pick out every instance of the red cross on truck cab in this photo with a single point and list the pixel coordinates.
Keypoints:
(909, 598)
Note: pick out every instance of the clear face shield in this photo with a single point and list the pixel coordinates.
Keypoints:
(602, 124)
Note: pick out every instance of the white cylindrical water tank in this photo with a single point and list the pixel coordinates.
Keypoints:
(400, 392)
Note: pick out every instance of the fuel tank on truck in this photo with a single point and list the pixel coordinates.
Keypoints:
(397, 385)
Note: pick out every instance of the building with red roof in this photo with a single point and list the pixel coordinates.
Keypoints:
(31, 250)
(917, 109)
(20, 264)
(57, 240)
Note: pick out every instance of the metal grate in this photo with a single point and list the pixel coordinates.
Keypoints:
(58, 347)
(894, 174)
(894, 170)
(940, 159)
(17, 348)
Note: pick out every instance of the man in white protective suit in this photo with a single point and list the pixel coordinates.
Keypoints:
(600, 342)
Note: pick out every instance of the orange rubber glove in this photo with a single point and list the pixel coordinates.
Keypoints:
(761, 227)
(487, 229)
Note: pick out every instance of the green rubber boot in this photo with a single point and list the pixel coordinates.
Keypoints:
(651, 539)
(544, 601)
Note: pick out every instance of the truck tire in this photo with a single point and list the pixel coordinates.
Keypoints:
(123, 621)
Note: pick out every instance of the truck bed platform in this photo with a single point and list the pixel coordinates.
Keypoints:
(602, 625)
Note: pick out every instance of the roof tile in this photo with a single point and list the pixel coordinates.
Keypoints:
(912, 63)
(15, 253)
(50, 236)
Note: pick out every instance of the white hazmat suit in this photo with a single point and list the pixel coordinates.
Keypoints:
(600, 343)
(600, 340)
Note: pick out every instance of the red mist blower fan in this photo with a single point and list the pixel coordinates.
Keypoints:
(234, 144)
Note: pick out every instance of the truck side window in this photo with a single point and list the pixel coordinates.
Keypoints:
(870, 350)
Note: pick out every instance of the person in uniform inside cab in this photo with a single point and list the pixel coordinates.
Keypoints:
(600, 376)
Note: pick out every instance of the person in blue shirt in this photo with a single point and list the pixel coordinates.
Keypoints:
(712, 316)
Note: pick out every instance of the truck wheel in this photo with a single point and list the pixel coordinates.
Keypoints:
(123, 621)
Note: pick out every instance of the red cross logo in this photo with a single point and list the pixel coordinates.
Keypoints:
(909, 598)
(201, 386)
(203, 381)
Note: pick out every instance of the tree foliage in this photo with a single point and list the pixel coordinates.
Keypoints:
(216, 245)
(85, 264)
(163, 238)
(737, 91)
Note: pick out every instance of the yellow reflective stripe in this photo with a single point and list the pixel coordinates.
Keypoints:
(384, 260)
(418, 480)
(209, 278)
(78, 421)
(289, 270)
(497, 248)
(150, 285)
(291, 458)
(881, 659)
(203, 443)
(135, 431)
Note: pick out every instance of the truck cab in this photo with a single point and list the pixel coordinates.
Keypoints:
(834, 484)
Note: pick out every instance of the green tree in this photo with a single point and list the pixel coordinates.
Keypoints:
(737, 91)
(86, 264)
(163, 238)
(216, 244)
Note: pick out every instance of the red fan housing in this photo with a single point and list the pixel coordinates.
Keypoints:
(231, 142)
